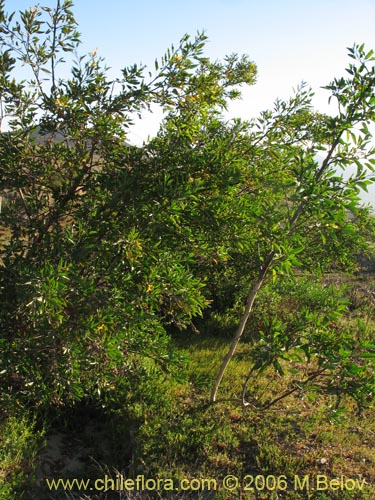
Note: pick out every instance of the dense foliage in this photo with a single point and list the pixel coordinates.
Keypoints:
(109, 248)
(97, 264)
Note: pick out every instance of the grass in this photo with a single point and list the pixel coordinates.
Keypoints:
(20, 443)
(297, 437)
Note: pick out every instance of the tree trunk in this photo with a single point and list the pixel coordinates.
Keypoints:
(249, 306)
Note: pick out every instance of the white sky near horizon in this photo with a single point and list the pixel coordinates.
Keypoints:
(289, 40)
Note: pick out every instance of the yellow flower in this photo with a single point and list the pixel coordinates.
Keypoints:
(61, 103)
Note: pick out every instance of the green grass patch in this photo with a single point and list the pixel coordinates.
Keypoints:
(20, 443)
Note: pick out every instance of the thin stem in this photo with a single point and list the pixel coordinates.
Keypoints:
(53, 48)
(283, 395)
(249, 306)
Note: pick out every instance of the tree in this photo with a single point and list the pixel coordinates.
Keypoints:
(308, 202)
(93, 275)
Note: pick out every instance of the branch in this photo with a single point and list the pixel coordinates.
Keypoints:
(61, 203)
(287, 393)
(53, 56)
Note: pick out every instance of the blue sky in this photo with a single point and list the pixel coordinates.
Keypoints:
(289, 40)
